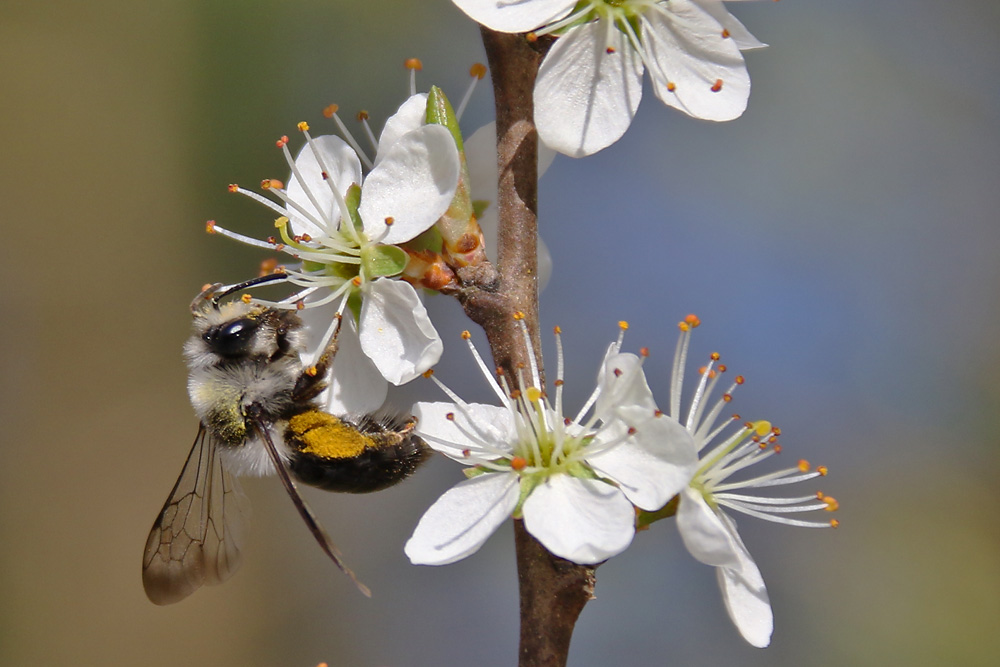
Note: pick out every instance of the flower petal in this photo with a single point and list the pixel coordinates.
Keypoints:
(411, 115)
(652, 465)
(413, 184)
(356, 385)
(482, 430)
(515, 15)
(737, 31)
(312, 192)
(582, 520)
(624, 392)
(462, 519)
(707, 537)
(396, 333)
(746, 600)
(586, 96)
(689, 54)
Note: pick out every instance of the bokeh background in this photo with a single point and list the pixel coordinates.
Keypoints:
(839, 242)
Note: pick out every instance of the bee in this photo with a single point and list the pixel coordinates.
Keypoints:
(259, 411)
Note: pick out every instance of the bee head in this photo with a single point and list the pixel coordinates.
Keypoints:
(237, 330)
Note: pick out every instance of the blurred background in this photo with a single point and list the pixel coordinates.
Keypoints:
(839, 243)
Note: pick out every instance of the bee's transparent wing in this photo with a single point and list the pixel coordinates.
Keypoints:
(197, 537)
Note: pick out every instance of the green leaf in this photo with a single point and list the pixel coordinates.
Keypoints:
(439, 112)
(383, 260)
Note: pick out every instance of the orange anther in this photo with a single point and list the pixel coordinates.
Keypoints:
(804, 465)
(329, 111)
(717, 86)
(233, 187)
(466, 335)
(692, 320)
(303, 126)
(413, 64)
(518, 463)
(210, 226)
(478, 70)
(671, 86)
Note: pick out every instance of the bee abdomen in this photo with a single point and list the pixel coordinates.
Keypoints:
(335, 455)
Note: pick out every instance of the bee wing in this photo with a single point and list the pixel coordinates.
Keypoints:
(197, 537)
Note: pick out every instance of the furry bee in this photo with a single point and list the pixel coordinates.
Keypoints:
(259, 413)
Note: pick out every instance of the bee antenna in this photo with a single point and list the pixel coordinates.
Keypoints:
(214, 293)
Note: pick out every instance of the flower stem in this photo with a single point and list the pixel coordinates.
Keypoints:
(553, 590)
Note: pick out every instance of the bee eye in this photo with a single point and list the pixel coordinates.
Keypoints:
(232, 339)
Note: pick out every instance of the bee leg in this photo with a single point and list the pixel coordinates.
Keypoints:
(313, 380)
(318, 533)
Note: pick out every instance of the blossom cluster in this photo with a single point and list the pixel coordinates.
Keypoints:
(368, 235)
(578, 481)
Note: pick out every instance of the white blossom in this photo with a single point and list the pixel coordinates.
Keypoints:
(590, 83)
(574, 480)
(345, 226)
(727, 446)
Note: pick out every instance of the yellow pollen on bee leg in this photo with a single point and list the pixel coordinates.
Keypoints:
(311, 371)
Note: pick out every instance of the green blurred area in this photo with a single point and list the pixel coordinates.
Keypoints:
(123, 122)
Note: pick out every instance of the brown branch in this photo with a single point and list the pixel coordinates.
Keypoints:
(553, 590)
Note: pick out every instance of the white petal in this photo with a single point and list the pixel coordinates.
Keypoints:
(624, 391)
(652, 465)
(472, 426)
(515, 15)
(737, 31)
(707, 537)
(745, 597)
(396, 332)
(585, 97)
(344, 169)
(413, 184)
(462, 519)
(688, 50)
(481, 157)
(356, 386)
(582, 520)
(412, 114)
